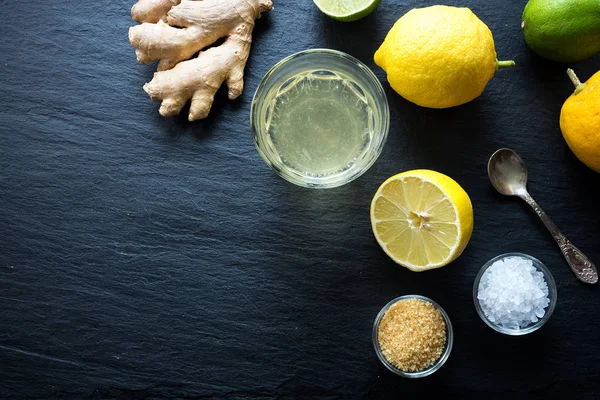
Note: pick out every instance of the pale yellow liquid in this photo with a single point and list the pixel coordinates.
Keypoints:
(320, 124)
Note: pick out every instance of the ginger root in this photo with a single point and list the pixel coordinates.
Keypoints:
(172, 31)
(152, 10)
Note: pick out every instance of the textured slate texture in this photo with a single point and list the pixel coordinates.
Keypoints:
(143, 257)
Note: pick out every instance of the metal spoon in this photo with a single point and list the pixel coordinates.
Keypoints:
(508, 174)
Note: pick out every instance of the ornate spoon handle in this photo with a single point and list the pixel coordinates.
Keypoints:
(581, 266)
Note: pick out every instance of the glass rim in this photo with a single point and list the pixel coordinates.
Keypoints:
(552, 294)
(376, 145)
(447, 349)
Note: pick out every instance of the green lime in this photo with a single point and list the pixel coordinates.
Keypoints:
(346, 10)
(562, 30)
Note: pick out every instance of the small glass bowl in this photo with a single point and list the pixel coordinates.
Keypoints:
(445, 354)
(320, 61)
(551, 295)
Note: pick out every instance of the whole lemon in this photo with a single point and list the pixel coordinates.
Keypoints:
(439, 56)
(580, 120)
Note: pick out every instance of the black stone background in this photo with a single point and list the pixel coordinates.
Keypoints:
(143, 257)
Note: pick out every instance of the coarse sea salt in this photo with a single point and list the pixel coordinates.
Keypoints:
(513, 293)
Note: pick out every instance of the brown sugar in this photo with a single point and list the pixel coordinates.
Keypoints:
(412, 335)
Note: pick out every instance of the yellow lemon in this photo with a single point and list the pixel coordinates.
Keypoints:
(580, 120)
(422, 219)
(439, 56)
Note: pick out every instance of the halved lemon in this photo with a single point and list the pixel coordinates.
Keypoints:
(422, 219)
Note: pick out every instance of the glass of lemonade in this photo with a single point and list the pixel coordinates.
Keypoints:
(320, 118)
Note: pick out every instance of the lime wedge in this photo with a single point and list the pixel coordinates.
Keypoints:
(346, 10)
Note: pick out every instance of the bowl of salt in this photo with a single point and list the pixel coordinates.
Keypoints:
(514, 294)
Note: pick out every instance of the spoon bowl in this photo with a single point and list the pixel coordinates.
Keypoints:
(508, 173)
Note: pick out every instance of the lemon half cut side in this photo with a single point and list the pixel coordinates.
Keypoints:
(422, 219)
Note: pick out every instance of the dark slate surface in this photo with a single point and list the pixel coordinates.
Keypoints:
(143, 257)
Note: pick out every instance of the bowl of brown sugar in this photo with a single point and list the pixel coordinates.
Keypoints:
(412, 336)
